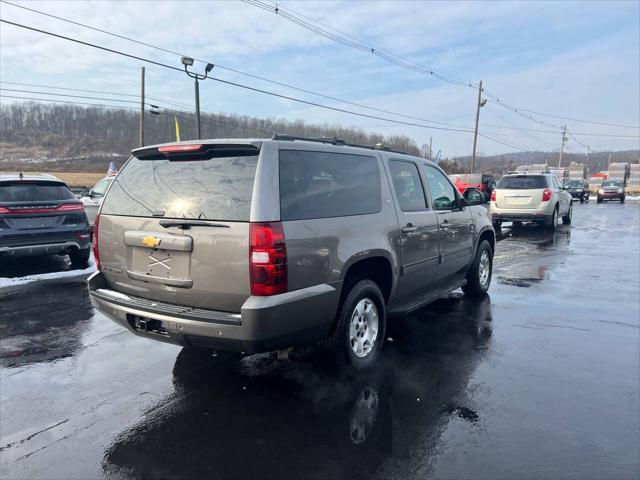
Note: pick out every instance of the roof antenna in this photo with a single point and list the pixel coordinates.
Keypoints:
(20, 176)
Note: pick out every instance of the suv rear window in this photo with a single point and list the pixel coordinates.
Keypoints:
(28, 191)
(216, 189)
(523, 182)
(322, 184)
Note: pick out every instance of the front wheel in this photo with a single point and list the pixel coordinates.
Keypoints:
(622, 200)
(598, 200)
(358, 335)
(479, 274)
(566, 219)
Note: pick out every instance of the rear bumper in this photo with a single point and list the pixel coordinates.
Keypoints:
(61, 246)
(263, 324)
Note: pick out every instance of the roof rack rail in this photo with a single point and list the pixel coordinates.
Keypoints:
(336, 141)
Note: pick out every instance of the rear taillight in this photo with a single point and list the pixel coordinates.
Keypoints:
(267, 259)
(4, 210)
(493, 196)
(546, 195)
(94, 244)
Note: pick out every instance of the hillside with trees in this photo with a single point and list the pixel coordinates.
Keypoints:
(44, 137)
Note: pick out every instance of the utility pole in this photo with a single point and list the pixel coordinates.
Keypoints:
(564, 140)
(609, 164)
(188, 62)
(475, 133)
(430, 151)
(199, 132)
(142, 107)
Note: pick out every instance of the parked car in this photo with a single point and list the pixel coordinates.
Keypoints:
(578, 189)
(483, 182)
(250, 246)
(92, 199)
(611, 190)
(537, 198)
(40, 216)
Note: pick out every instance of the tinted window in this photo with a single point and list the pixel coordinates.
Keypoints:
(215, 189)
(611, 183)
(101, 187)
(408, 186)
(443, 194)
(321, 185)
(523, 182)
(33, 192)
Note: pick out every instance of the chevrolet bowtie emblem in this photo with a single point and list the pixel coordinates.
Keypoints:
(152, 242)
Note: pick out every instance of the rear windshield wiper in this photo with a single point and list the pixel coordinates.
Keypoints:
(186, 224)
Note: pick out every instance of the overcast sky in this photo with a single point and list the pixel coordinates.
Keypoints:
(573, 59)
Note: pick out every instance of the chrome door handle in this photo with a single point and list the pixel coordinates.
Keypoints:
(409, 228)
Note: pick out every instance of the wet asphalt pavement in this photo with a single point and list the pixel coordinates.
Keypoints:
(538, 380)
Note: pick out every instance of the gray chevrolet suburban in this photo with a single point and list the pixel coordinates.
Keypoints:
(260, 245)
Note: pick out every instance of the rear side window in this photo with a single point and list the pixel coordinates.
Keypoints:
(523, 182)
(23, 191)
(408, 186)
(216, 189)
(322, 184)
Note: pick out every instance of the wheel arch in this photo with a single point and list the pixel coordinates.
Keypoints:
(376, 265)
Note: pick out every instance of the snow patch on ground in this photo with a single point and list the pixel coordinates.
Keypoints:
(52, 276)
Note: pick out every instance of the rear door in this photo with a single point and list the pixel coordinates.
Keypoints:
(456, 225)
(419, 238)
(175, 226)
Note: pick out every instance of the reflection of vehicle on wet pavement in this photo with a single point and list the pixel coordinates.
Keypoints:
(92, 199)
(297, 419)
(256, 246)
(578, 189)
(46, 328)
(539, 198)
(611, 190)
(40, 216)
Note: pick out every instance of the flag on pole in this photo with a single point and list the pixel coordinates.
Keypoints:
(438, 155)
(112, 171)
(177, 129)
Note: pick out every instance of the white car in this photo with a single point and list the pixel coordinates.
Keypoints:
(538, 197)
(93, 198)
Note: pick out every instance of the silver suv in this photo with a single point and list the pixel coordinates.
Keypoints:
(260, 245)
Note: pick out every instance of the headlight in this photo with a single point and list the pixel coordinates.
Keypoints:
(600, 191)
(619, 190)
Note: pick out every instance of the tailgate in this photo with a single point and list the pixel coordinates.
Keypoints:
(174, 226)
(521, 199)
(204, 267)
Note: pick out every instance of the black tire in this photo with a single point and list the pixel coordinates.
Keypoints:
(497, 224)
(476, 286)
(582, 199)
(339, 342)
(599, 200)
(80, 258)
(566, 219)
(515, 225)
(622, 200)
(552, 222)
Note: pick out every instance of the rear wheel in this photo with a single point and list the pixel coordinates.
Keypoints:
(552, 223)
(566, 219)
(622, 200)
(599, 200)
(479, 274)
(358, 335)
(80, 258)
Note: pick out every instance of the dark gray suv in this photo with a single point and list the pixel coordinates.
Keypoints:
(40, 216)
(259, 245)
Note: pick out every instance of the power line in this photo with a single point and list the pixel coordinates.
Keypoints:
(227, 82)
(218, 66)
(67, 95)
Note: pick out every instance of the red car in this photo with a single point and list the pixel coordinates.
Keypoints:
(611, 190)
(483, 182)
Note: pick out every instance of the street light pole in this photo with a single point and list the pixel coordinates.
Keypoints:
(188, 62)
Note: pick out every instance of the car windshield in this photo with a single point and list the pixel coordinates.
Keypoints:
(575, 183)
(523, 182)
(611, 183)
(27, 191)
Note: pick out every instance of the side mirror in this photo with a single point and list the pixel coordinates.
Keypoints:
(461, 202)
(85, 193)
